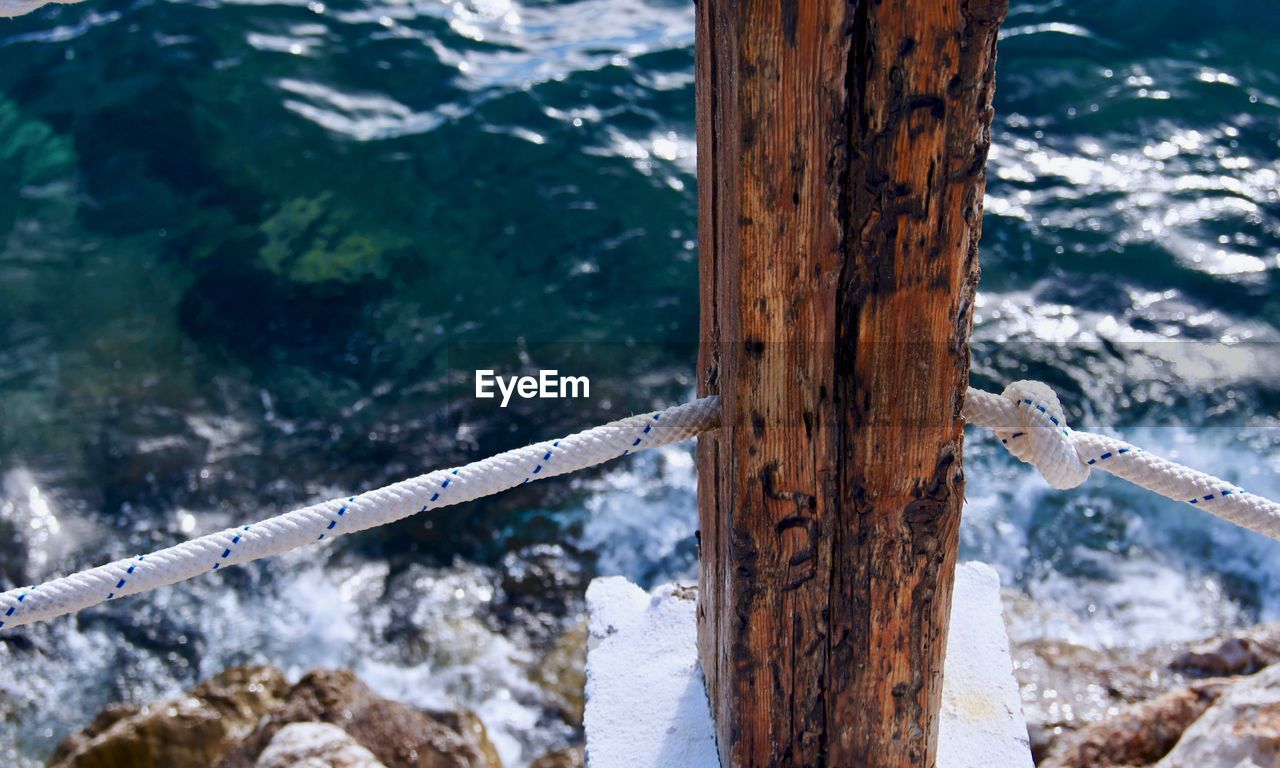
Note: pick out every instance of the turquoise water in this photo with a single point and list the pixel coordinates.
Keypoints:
(247, 247)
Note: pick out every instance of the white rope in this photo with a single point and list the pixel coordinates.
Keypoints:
(331, 519)
(1026, 416)
(1029, 422)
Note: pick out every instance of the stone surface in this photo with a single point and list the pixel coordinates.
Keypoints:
(232, 720)
(397, 734)
(646, 697)
(1066, 687)
(315, 745)
(194, 730)
(1237, 653)
(1241, 729)
(471, 728)
(1140, 734)
(569, 757)
(563, 673)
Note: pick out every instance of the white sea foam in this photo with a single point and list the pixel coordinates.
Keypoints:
(302, 615)
(1164, 572)
(642, 515)
(1119, 566)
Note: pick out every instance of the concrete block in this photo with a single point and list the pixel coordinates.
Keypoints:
(982, 724)
(647, 703)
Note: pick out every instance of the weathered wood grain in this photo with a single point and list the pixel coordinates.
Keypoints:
(841, 162)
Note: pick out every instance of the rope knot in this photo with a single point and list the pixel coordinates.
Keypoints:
(1042, 437)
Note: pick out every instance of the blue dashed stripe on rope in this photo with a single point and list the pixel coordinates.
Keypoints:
(120, 584)
(1220, 494)
(546, 457)
(1109, 454)
(647, 428)
(14, 608)
(436, 495)
(226, 553)
(1045, 411)
(342, 510)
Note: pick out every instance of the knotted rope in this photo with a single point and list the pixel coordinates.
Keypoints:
(1027, 417)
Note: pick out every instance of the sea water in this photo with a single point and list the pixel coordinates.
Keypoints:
(251, 254)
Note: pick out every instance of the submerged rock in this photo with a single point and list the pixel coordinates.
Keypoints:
(33, 155)
(398, 735)
(315, 745)
(1241, 730)
(316, 240)
(1140, 734)
(195, 729)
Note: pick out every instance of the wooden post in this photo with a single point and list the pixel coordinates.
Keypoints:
(841, 154)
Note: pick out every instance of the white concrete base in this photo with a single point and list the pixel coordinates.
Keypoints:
(11, 8)
(646, 697)
(982, 724)
(647, 702)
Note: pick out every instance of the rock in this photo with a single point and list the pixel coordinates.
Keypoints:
(1232, 656)
(563, 673)
(1066, 686)
(1140, 734)
(109, 716)
(1241, 729)
(315, 745)
(569, 757)
(194, 730)
(398, 735)
(1238, 653)
(249, 717)
(472, 730)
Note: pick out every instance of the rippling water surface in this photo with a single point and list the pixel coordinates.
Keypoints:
(240, 243)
